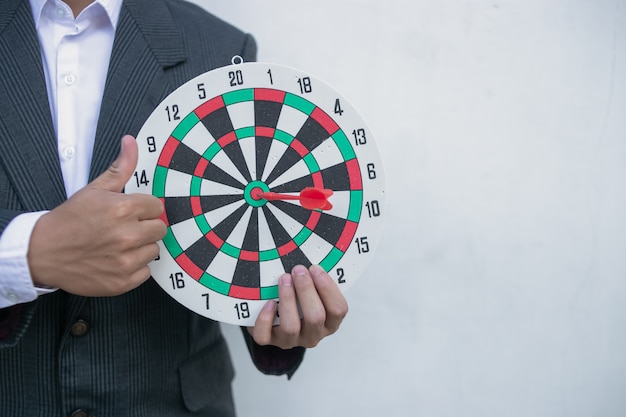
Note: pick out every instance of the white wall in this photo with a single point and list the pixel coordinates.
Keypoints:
(499, 288)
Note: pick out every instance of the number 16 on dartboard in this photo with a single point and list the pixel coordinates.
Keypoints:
(260, 167)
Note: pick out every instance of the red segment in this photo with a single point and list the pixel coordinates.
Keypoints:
(299, 147)
(313, 219)
(347, 235)
(227, 138)
(269, 95)
(287, 248)
(356, 183)
(209, 107)
(246, 255)
(324, 120)
(318, 181)
(163, 215)
(168, 152)
(196, 208)
(245, 293)
(201, 167)
(214, 239)
(266, 132)
(189, 267)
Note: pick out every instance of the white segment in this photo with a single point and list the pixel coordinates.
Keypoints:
(249, 152)
(298, 170)
(215, 188)
(277, 149)
(223, 161)
(241, 114)
(186, 233)
(291, 120)
(177, 184)
(198, 138)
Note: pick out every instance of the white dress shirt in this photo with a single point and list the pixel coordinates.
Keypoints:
(75, 54)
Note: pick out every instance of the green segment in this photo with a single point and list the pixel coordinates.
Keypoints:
(171, 244)
(211, 151)
(195, 187)
(284, 137)
(245, 132)
(331, 259)
(158, 182)
(342, 142)
(202, 224)
(299, 103)
(229, 249)
(185, 126)
(238, 96)
(311, 163)
(356, 205)
(215, 284)
(268, 255)
(268, 293)
(302, 236)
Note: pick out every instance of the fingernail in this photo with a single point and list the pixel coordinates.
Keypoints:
(299, 270)
(285, 280)
(269, 306)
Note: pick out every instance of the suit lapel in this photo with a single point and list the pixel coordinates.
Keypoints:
(28, 146)
(146, 43)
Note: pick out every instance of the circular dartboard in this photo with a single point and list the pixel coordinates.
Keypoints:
(260, 168)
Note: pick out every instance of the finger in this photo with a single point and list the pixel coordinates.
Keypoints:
(117, 175)
(313, 311)
(262, 330)
(151, 231)
(146, 206)
(289, 326)
(335, 303)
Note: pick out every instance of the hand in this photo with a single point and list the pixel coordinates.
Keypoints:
(99, 242)
(323, 309)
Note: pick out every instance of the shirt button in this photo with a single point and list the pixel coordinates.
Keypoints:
(12, 297)
(79, 328)
(60, 11)
(69, 79)
(80, 413)
(69, 152)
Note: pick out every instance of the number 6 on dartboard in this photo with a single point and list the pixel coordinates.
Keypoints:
(260, 168)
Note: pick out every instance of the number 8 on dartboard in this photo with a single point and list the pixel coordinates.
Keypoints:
(260, 168)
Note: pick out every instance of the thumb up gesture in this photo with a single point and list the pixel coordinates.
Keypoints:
(99, 242)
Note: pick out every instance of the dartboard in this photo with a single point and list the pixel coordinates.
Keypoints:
(260, 167)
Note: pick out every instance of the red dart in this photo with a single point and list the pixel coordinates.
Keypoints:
(311, 198)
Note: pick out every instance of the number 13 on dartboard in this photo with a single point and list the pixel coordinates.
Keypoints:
(260, 168)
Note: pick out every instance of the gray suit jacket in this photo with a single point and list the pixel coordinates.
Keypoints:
(139, 354)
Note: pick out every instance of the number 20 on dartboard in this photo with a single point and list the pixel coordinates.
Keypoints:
(260, 168)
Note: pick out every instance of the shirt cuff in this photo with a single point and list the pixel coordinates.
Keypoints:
(16, 283)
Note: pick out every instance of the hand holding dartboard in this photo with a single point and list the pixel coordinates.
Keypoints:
(260, 168)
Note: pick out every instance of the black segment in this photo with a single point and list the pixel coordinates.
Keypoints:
(266, 113)
(289, 159)
(312, 134)
(212, 202)
(296, 257)
(294, 186)
(330, 228)
(226, 226)
(217, 174)
(178, 209)
(234, 152)
(248, 273)
(262, 149)
(202, 253)
(279, 234)
(298, 213)
(336, 177)
(218, 123)
(184, 159)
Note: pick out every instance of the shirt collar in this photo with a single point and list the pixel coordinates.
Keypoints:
(112, 8)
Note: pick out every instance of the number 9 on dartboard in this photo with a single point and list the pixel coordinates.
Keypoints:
(260, 167)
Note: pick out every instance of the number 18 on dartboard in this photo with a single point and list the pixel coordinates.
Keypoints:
(260, 167)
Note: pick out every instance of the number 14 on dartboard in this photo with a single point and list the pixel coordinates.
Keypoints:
(260, 167)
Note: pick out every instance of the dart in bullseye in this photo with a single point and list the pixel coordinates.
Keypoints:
(311, 198)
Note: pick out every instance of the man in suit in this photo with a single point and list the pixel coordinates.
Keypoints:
(83, 331)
